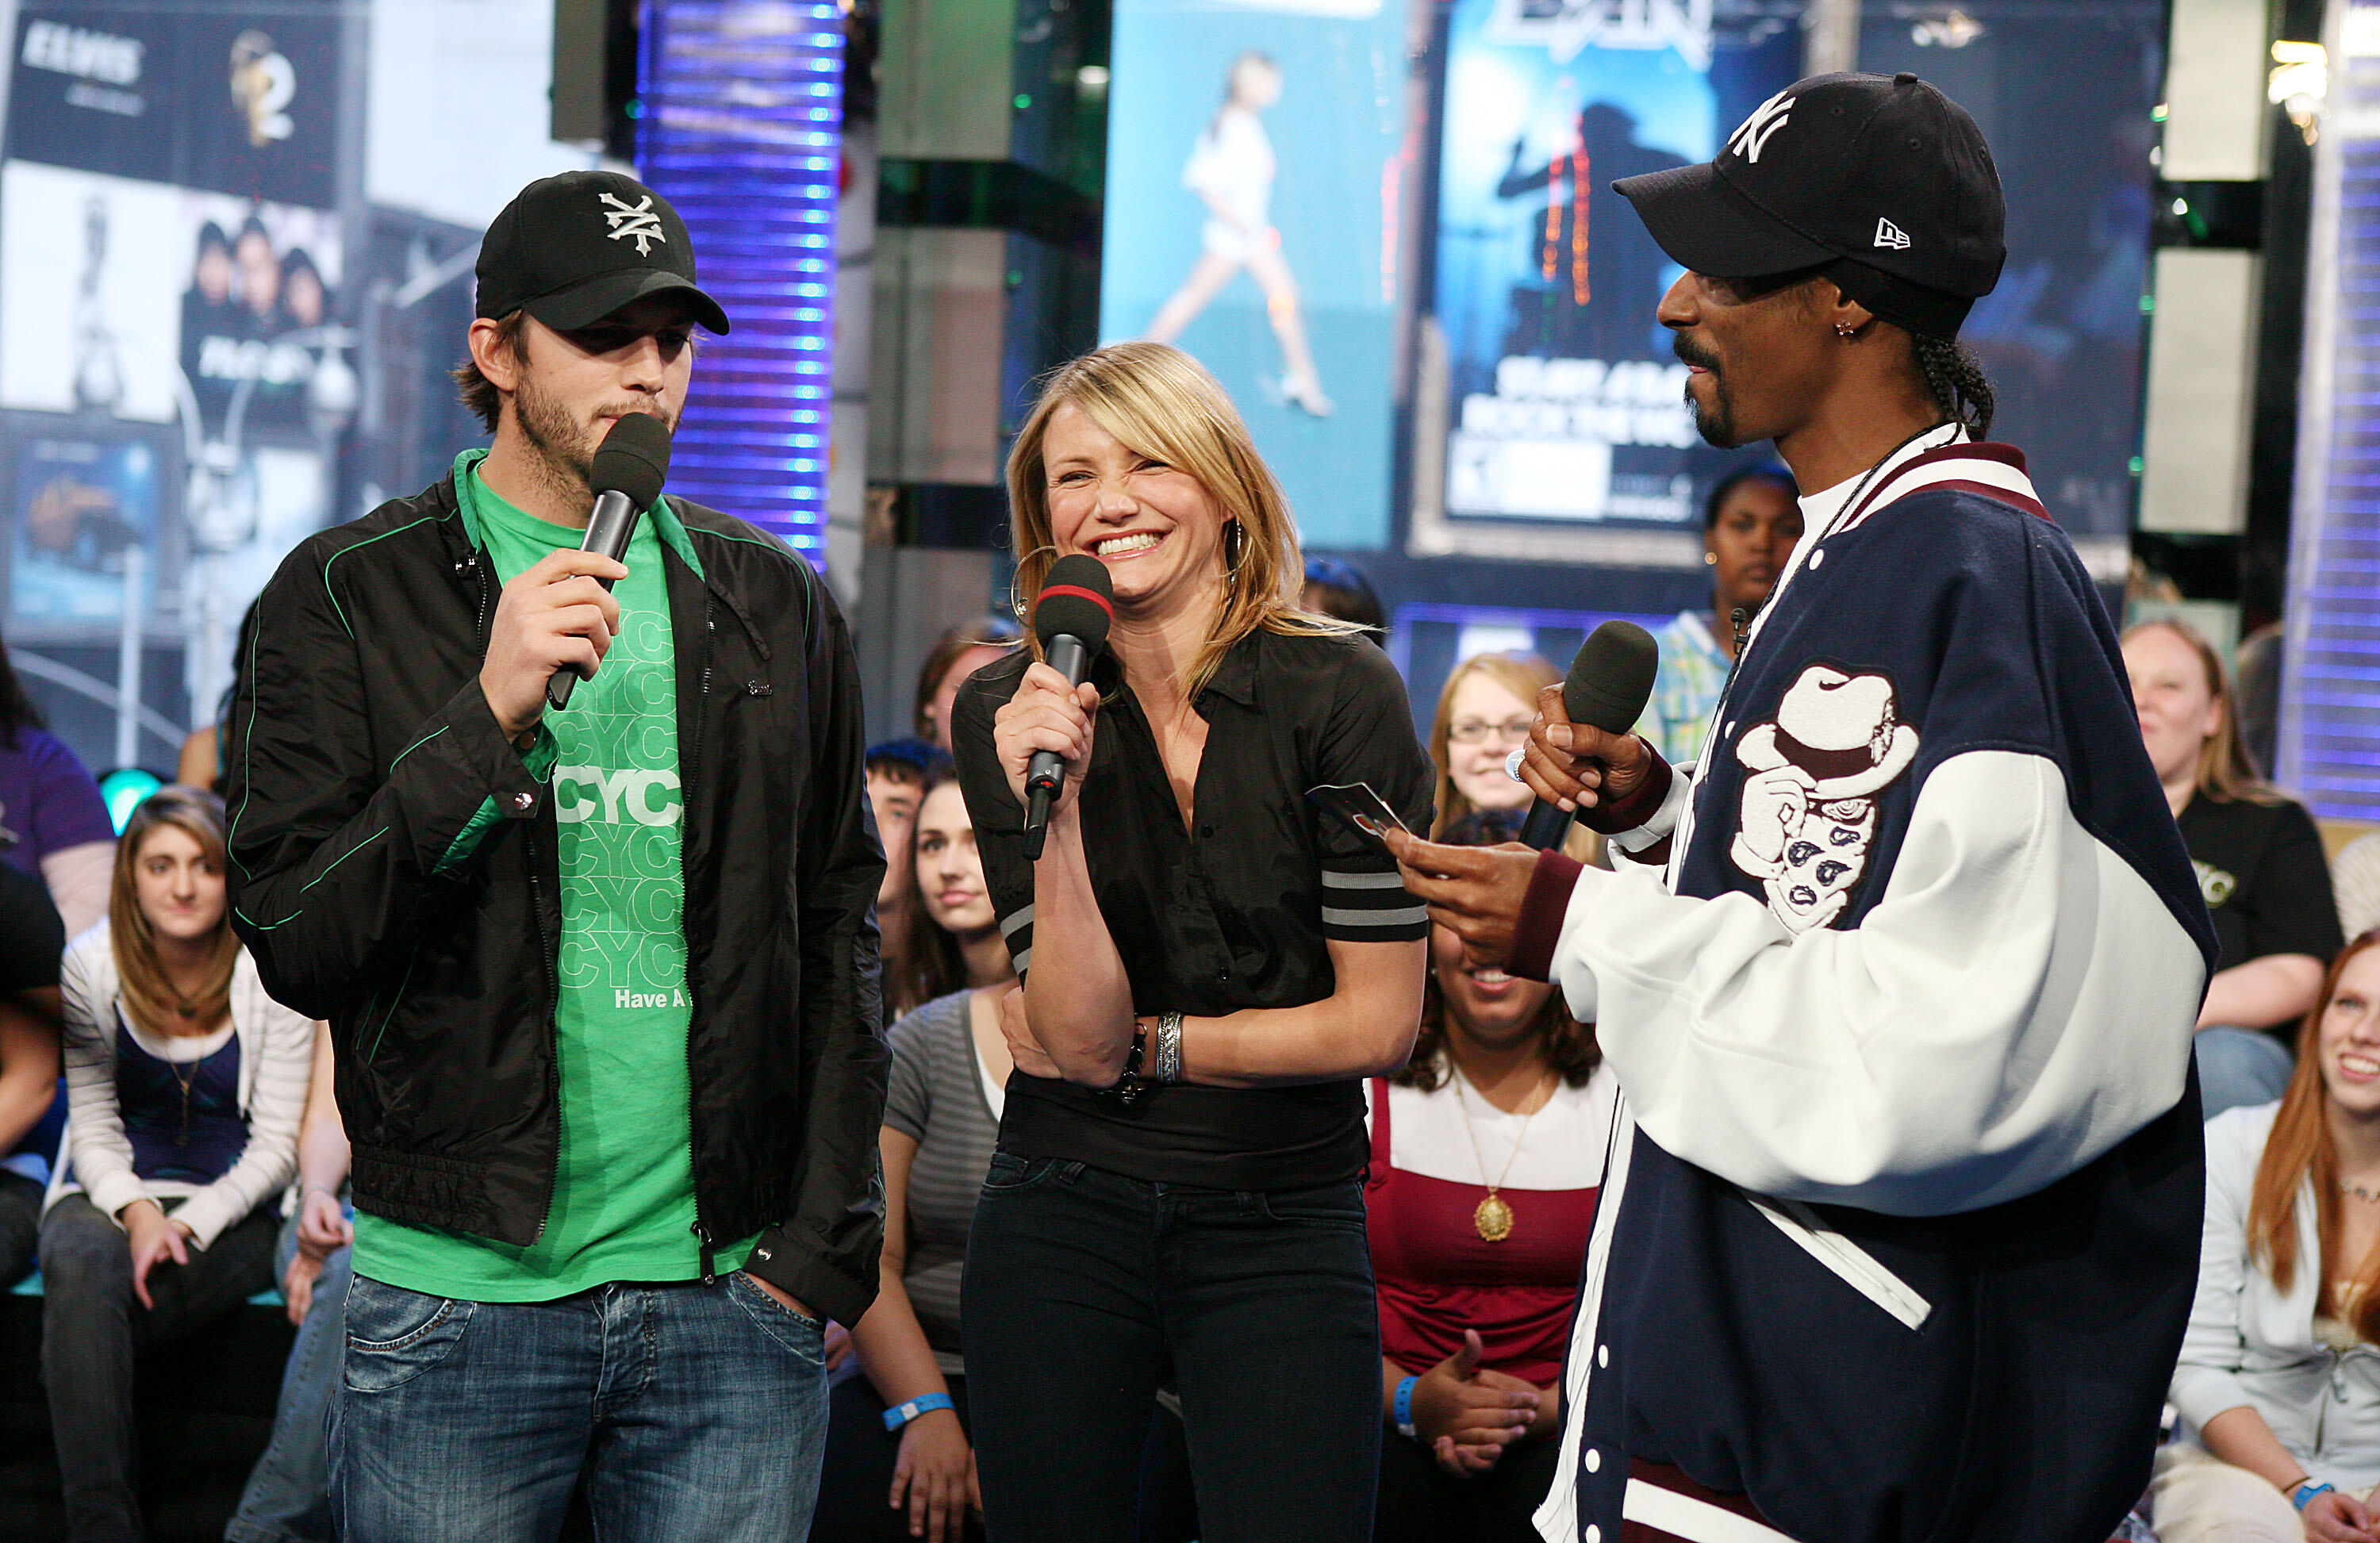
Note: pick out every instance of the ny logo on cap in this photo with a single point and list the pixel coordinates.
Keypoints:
(1891, 235)
(634, 222)
(1766, 119)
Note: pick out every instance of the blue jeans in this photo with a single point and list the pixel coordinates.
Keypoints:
(691, 1411)
(288, 1494)
(2239, 1066)
(1085, 1290)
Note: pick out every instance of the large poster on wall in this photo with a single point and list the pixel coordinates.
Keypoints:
(1253, 167)
(171, 352)
(1565, 404)
(241, 99)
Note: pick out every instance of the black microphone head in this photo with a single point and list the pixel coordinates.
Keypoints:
(633, 459)
(1077, 601)
(1611, 679)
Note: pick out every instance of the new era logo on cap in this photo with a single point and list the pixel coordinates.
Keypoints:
(1891, 235)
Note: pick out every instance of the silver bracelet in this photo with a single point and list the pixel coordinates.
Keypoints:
(1168, 1047)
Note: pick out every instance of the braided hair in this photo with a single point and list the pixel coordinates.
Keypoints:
(1956, 380)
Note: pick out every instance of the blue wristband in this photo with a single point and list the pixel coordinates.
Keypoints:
(2302, 1496)
(1403, 1405)
(902, 1414)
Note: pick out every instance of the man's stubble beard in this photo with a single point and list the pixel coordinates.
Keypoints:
(565, 461)
(557, 440)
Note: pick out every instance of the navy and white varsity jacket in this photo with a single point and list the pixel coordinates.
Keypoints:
(1901, 1215)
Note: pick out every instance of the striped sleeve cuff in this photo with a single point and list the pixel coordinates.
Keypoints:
(1370, 907)
(1016, 929)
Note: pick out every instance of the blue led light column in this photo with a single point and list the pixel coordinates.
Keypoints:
(741, 129)
(2329, 750)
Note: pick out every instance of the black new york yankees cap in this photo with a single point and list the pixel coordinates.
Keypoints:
(571, 249)
(1882, 181)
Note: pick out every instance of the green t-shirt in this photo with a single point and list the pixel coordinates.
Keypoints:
(622, 1204)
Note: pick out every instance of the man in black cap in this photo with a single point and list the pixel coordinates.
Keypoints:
(603, 981)
(1901, 1216)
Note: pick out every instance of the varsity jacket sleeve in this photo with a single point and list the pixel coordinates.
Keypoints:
(825, 1251)
(332, 855)
(2018, 996)
(2017, 1002)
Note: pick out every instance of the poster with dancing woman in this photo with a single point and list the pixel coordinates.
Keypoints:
(1254, 167)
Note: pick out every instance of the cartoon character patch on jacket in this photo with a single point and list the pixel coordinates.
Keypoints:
(1807, 809)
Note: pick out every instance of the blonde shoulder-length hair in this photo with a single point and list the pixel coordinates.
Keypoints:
(1161, 402)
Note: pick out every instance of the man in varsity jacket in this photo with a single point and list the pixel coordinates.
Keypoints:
(1902, 1210)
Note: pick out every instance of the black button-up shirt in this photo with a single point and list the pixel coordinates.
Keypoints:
(1235, 911)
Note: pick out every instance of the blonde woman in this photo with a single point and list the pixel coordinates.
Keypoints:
(1178, 1184)
(184, 1084)
(2259, 860)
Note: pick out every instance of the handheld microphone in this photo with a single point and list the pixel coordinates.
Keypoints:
(1610, 682)
(1070, 618)
(630, 467)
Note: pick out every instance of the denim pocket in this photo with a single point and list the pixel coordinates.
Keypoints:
(1010, 1174)
(798, 1332)
(1338, 1207)
(394, 1335)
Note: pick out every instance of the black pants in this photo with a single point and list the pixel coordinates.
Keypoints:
(92, 1328)
(1421, 1502)
(1085, 1290)
(20, 1225)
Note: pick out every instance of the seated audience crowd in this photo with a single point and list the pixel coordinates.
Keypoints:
(193, 1158)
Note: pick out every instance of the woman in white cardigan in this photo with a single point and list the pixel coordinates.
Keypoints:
(184, 1086)
(2279, 1377)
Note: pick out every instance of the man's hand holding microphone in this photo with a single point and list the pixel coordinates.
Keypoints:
(1582, 755)
(556, 619)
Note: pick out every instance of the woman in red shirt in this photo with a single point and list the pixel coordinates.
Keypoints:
(1487, 1154)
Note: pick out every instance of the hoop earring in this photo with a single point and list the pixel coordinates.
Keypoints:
(1016, 602)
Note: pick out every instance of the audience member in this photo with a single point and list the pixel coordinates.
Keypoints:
(54, 824)
(2355, 878)
(1487, 1154)
(288, 1494)
(186, 1083)
(2259, 860)
(959, 653)
(899, 1463)
(1340, 590)
(2279, 1378)
(1484, 711)
(31, 942)
(1750, 525)
(898, 773)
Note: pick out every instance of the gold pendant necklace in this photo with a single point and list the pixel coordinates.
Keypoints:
(1492, 1216)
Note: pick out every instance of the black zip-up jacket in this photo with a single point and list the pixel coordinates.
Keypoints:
(393, 868)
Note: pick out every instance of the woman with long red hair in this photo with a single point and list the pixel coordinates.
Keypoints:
(2280, 1377)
